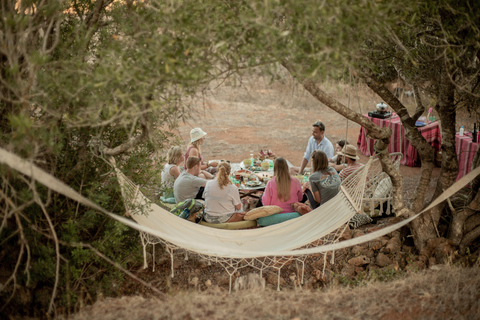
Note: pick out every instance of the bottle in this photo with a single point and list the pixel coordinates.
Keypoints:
(429, 115)
(461, 131)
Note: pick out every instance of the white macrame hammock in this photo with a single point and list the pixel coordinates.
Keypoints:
(238, 248)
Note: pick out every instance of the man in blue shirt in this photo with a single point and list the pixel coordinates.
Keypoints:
(317, 141)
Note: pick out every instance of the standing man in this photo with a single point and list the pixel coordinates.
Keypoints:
(317, 141)
(188, 185)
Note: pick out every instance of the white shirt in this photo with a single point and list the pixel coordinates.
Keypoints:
(219, 202)
(325, 145)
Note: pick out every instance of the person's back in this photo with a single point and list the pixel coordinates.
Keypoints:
(171, 170)
(188, 185)
(222, 200)
(326, 182)
(282, 190)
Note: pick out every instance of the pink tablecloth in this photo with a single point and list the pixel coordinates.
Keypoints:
(398, 141)
(466, 150)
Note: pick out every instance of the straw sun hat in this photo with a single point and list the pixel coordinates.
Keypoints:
(349, 151)
(196, 134)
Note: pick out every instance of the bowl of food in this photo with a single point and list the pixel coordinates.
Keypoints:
(265, 165)
(247, 163)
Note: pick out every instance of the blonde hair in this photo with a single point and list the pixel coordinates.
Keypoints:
(196, 144)
(174, 155)
(282, 178)
(222, 174)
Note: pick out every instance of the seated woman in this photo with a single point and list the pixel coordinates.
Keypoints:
(171, 171)
(197, 137)
(324, 181)
(283, 189)
(338, 162)
(222, 200)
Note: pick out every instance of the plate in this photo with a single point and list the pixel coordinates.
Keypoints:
(253, 183)
(243, 172)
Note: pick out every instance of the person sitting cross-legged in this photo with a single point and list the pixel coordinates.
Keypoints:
(188, 185)
(283, 189)
(350, 153)
(324, 181)
(222, 199)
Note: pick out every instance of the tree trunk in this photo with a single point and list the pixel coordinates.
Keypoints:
(422, 228)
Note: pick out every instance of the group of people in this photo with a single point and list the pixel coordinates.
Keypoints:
(210, 180)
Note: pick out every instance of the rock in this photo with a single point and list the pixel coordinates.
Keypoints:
(356, 250)
(359, 261)
(252, 281)
(375, 244)
(347, 234)
(349, 270)
(373, 229)
(393, 246)
(369, 253)
(359, 270)
(208, 283)
(407, 249)
(357, 233)
(432, 261)
(382, 260)
(223, 279)
(317, 274)
(272, 278)
(194, 281)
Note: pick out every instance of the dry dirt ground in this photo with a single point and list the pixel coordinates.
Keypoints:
(251, 115)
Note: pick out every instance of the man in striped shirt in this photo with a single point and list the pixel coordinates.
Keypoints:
(350, 153)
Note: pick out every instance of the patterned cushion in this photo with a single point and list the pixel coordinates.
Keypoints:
(383, 188)
(264, 211)
(359, 220)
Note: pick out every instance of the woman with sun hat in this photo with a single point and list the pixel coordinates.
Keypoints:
(197, 137)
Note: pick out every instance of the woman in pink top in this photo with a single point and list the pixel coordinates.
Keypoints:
(283, 189)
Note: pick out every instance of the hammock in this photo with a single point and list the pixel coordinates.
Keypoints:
(239, 245)
(250, 243)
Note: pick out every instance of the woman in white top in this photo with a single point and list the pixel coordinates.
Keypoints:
(222, 200)
(171, 170)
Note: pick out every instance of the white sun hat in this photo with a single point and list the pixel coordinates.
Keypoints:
(196, 134)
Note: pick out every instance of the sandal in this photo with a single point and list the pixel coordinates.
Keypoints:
(270, 153)
(263, 154)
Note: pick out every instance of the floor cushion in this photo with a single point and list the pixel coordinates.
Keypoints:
(277, 218)
(264, 211)
(231, 225)
(358, 220)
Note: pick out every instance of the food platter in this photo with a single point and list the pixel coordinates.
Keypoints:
(253, 183)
